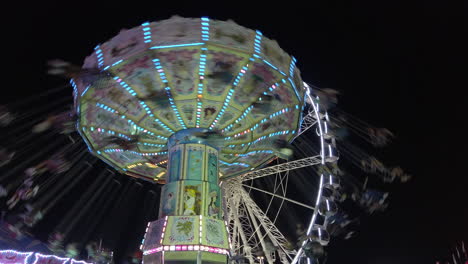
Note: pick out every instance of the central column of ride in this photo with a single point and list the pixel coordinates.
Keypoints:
(191, 228)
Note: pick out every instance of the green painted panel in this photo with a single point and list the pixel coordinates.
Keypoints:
(212, 168)
(175, 164)
(195, 163)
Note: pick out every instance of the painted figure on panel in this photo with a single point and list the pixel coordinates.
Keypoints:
(189, 202)
(168, 204)
(213, 210)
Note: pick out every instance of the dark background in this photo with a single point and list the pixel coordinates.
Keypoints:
(398, 64)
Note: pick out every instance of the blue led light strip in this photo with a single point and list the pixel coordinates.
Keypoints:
(205, 28)
(274, 86)
(284, 132)
(86, 140)
(178, 45)
(205, 34)
(125, 86)
(302, 111)
(143, 104)
(246, 111)
(108, 131)
(110, 109)
(136, 153)
(240, 74)
(269, 64)
(255, 152)
(295, 89)
(86, 89)
(291, 67)
(251, 129)
(242, 116)
(223, 108)
(201, 73)
(229, 95)
(113, 64)
(75, 89)
(151, 144)
(107, 108)
(257, 42)
(163, 125)
(99, 56)
(144, 130)
(117, 62)
(235, 163)
(145, 27)
(160, 70)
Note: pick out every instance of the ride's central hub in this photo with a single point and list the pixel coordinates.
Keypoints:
(191, 225)
(192, 178)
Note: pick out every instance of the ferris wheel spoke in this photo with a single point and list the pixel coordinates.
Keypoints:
(283, 182)
(272, 231)
(280, 189)
(280, 186)
(242, 228)
(308, 121)
(296, 164)
(281, 197)
(261, 237)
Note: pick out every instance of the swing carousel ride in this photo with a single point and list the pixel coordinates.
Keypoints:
(210, 109)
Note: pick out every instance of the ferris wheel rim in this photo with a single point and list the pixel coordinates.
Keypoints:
(319, 194)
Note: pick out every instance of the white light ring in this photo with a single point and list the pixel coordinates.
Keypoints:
(322, 154)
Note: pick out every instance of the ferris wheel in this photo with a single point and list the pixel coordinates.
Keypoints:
(251, 230)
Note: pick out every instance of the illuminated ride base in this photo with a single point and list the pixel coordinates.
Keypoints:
(167, 83)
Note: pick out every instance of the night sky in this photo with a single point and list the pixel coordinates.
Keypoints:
(397, 65)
